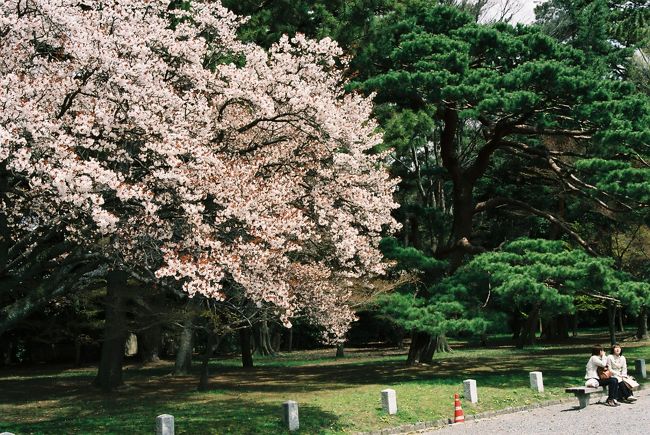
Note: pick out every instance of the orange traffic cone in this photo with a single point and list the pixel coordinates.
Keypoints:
(459, 417)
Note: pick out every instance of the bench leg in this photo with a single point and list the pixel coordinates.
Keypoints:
(583, 399)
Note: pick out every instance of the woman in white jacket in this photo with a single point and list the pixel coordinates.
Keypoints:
(598, 359)
(618, 365)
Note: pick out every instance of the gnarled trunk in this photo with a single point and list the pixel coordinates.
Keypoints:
(262, 339)
(109, 374)
(442, 344)
(419, 341)
(183, 364)
(424, 346)
(340, 350)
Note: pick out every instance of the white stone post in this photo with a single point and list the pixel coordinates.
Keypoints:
(6, 433)
(470, 390)
(639, 365)
(290, 415)
(165, 424)
(536, 381)
(389, 401)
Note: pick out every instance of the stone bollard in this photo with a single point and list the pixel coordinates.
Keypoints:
(290, 415)
(389, 401)
(165, 424)
(536, 381)
(639, 365)
(6, 433)
(470, 390)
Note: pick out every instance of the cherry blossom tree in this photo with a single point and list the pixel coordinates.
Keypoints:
(150, 136)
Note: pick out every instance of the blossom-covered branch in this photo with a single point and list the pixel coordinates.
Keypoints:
(109, 116)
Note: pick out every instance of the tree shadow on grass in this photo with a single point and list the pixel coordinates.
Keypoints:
(212, 414)
(156, 384)
(562, 371)
(150, 391)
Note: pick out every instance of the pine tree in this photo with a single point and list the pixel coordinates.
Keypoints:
(485, 119)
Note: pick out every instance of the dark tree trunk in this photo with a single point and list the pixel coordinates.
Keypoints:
(415, 232)
(7, 349)
(442, 344)
(426, 357)
(276, 341)
(423, 346)
(515, 325)
(262, 339)
(183, 365)
(245, 344)
(575, 325)
(642, 327)
(556, 328)
(611, 322)
(619, 311)
(405, 231)
(563, 327)
(548, 328)
(212, 343)
(396, 338)
(529, 328)
(77, 351)
(340, 350)
(149, 341)
(462, 225)
(289, 340)
(109, 374)
(419, 341)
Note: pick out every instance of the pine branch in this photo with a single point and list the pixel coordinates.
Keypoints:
(569, 179)
(501, 201)
(576, 134)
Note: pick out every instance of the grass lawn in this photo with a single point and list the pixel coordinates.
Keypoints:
(334, 396)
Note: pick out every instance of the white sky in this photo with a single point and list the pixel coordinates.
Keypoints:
(521, 10)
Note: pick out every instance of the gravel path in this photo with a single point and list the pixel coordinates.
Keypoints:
(563, 419)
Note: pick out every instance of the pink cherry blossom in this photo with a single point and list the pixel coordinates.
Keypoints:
(254, 172)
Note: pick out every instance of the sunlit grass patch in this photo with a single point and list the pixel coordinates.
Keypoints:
(334, 395)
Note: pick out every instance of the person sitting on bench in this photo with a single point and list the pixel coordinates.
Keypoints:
(598, 359)
(618, 366)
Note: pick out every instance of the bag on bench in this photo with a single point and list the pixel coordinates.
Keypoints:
(604, 373)
(631, 383)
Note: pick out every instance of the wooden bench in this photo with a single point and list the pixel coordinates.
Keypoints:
(584, 393)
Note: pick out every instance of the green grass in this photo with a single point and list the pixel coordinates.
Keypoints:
(335, 395)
